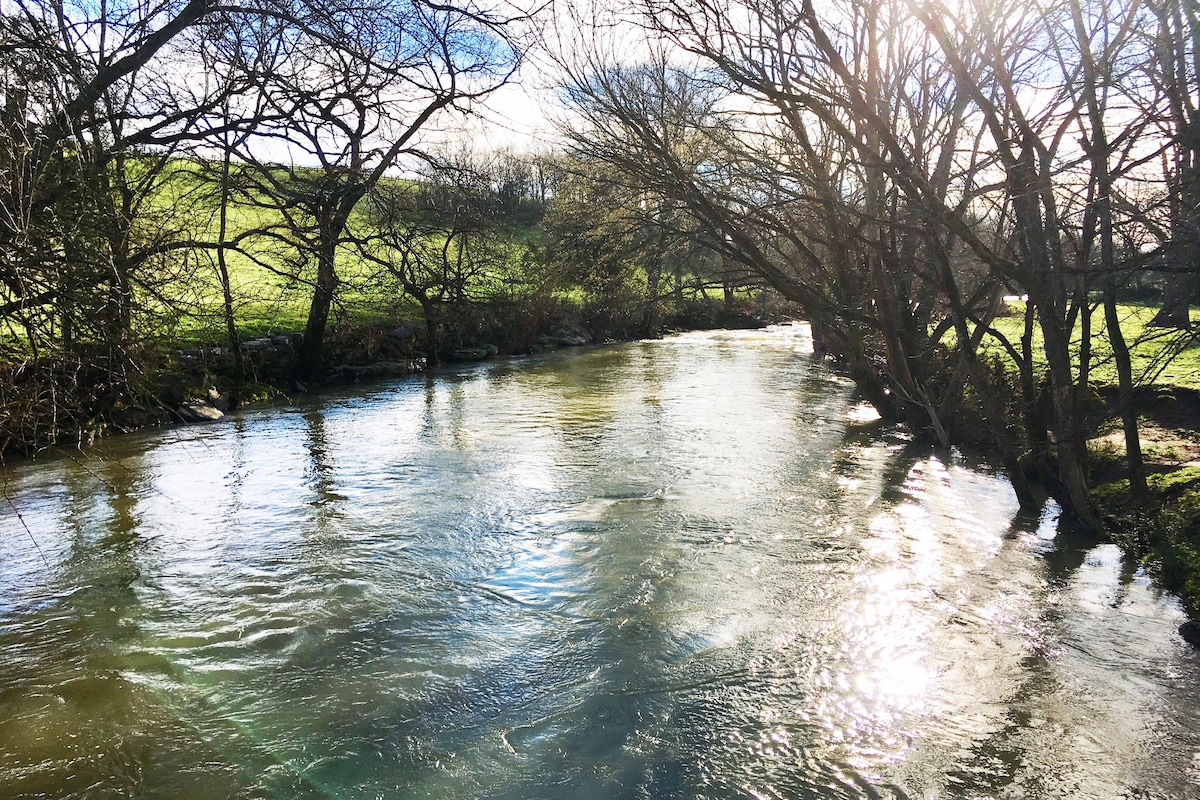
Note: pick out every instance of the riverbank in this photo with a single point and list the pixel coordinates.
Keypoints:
(72, 404)
(1162, 534)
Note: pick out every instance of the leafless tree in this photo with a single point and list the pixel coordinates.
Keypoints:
(923, 159)
(347, 92)
(440, 239)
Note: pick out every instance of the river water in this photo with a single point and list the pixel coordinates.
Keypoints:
(687, 568)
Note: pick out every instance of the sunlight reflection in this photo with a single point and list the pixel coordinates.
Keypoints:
(873, 708)
(863, 413)
(642, 571)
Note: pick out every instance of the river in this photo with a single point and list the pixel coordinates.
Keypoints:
(685, 568)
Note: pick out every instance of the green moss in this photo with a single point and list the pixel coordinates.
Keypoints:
(1110, 495)
(255, 393)
(1189, 503)
(1103, 455)
(1176, 565)
(1165, 534)
(1173, 484)
(1171, 535)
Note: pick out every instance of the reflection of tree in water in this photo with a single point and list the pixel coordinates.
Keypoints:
(108, 551)
(676, 710)
(234, 484)
(599, 731)
(1020, 723)
(321, 475)
(70, 718)
(930, 580)
(1071, 546)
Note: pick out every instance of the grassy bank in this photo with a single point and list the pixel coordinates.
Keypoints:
(72, 402)
(1161, 356)
(1162, 534)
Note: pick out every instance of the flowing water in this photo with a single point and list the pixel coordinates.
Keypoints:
(687, 568)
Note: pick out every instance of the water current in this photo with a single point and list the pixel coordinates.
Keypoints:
(686, 568)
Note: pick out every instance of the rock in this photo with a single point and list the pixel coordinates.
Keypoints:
(283, 340)
(257, 345)
(217, 400)
(199, 412)
(390, 368)
(467, 354)
(406, 331)
(491, 349)
(347, 373)
(569, 337)
(1190, 631)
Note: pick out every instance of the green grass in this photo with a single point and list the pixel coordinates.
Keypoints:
(1165, 535)
(1158, 355)
(271, 292)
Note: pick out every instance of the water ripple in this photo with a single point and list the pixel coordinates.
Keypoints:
(688, 568)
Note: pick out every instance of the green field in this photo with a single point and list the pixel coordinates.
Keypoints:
(1161, 356)
(270, 286)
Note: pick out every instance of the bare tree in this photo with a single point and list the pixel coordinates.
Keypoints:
(439, 238)
(344, 99)
(952, 174)
(1177, 77)
(84, 230)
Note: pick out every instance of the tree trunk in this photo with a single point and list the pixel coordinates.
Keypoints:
(1177, 301)
(1096, 78)
(1070, 449)
(231, 332)
(1129, 416)
(432, 345)
(993, 407)
(1176, 54)
(653, 280)
(308, 362)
